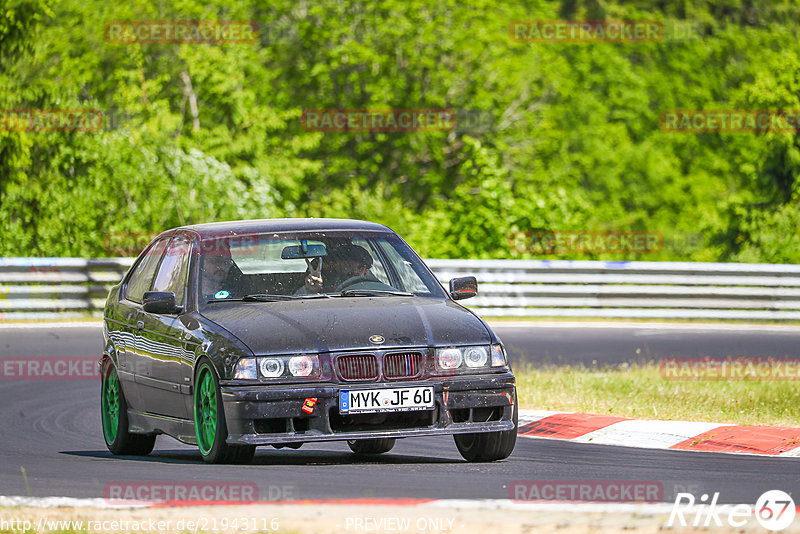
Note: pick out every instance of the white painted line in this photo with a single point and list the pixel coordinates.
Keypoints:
(485, 504)
(690, 451)
(529, 416)
(643, 434)
(794, 453)
(647, 434)
(60, 502)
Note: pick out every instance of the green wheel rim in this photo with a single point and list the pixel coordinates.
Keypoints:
(205, 411)
(110, 405)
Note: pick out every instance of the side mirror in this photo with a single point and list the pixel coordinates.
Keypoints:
(463, 288)
(160, 302)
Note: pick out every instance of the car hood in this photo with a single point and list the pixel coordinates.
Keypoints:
(346, 323)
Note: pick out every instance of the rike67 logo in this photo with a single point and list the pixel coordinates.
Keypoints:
(774, 510)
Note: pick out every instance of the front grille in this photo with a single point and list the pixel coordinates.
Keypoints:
(402, 365)
(357, 367)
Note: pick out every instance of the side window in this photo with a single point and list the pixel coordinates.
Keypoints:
(142, 276)
(172, 273)
(377, 268)
(409, 277)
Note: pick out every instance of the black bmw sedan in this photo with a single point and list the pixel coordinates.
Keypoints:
(289, 331)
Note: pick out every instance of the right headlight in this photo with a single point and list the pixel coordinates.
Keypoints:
(470, 359)
(476, 356)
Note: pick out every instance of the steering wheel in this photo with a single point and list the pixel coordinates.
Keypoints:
(353, 281)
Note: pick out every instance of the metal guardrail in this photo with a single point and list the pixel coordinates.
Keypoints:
(48, 288)
(543, 288)
(42, 288)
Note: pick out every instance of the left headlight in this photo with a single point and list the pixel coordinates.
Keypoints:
(469, 359)
(272, 367)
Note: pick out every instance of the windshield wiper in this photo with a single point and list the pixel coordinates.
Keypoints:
(267, 297)
(374, 293)
(255, 298)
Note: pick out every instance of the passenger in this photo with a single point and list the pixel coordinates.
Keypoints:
(343, 263)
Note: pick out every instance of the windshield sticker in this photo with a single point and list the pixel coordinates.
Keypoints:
(221, 294)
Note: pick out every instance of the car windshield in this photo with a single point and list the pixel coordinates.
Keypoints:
(282, 267)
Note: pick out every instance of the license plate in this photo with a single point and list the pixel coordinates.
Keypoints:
(386, 400)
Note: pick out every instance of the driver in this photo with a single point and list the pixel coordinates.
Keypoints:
(218, 272)
(344, 262)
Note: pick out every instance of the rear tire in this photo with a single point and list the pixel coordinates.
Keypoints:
(371, 446)
(209, 422)
(114, 417)
(488, 446)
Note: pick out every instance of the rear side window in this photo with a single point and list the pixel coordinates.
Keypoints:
(172, 273)
(142, 276)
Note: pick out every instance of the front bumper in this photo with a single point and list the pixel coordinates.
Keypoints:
(273, 415)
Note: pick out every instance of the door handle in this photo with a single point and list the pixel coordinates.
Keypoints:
(140, 325)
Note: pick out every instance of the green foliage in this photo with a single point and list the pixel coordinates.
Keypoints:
(198, 132)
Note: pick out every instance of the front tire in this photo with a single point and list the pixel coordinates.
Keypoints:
(371, 446)
(209, 422)
(114, 417)
(488, 446)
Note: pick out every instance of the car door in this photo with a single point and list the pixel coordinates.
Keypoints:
(160, 345)
(129, 319)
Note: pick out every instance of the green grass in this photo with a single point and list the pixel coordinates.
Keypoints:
(639, 391)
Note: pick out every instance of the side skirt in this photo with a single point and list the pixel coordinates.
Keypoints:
(146, 423)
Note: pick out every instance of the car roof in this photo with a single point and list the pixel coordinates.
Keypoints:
(256, 226)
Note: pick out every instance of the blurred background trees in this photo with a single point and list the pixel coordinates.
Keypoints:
(196, 133)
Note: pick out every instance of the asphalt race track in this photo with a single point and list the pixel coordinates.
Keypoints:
(52, 429)
(615, 343)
